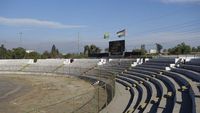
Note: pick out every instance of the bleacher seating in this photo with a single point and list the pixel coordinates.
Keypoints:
(150, 86)
(14, 64)
(44, 65)
(191, 67)
(78, 66)
(194, 61)
(174, 89)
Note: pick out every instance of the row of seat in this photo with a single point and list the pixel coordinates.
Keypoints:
(48, 65)
(174, 91)
(111, 68)
(194, 61)
(13, 64)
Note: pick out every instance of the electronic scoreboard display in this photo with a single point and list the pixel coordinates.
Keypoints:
(117, 47)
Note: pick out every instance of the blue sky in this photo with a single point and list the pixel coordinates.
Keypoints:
(47, 22)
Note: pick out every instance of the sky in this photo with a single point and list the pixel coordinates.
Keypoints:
(38, 24)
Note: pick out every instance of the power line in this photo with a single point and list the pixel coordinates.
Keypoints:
(170, 27)
(168, 14)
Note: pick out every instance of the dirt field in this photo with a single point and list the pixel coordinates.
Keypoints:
(42, 94)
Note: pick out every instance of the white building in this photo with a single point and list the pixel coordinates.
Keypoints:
(152, 51)
(29, 51)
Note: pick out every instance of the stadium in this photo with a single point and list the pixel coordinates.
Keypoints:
(99, 56)
(163, 84)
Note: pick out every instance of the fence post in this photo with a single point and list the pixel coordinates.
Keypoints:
(106, 99)
(98, 91)
(69, 70)
(73, 109)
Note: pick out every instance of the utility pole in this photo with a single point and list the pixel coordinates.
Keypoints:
(20, 38)
(4, 42)
(78, 43)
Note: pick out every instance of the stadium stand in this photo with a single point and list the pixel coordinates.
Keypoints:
(14, 64)
(190, 67)
(162, 85)
(44, 65)
(194, 61)
(174, 94)
(78, 66)
(155, 90)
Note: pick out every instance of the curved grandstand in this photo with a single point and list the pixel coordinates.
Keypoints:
(158, 85)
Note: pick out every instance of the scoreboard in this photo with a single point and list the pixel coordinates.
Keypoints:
(117, 47)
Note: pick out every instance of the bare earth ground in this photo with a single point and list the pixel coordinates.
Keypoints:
(43, 94)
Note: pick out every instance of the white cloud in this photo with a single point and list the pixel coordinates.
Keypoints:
(180, 1)
(35, 23)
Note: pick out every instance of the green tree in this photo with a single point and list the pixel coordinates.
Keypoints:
(180, 49)
(54, 52)
(143, 49)
(46, 55)
(18, 53)
(9, 54)
(86, 49)
(106, 50)
(33, 55)
(94, 49)
(196, 49)
(138, 52)
(3, 52)
(91, 49)
(68, 55)
(159, 47)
